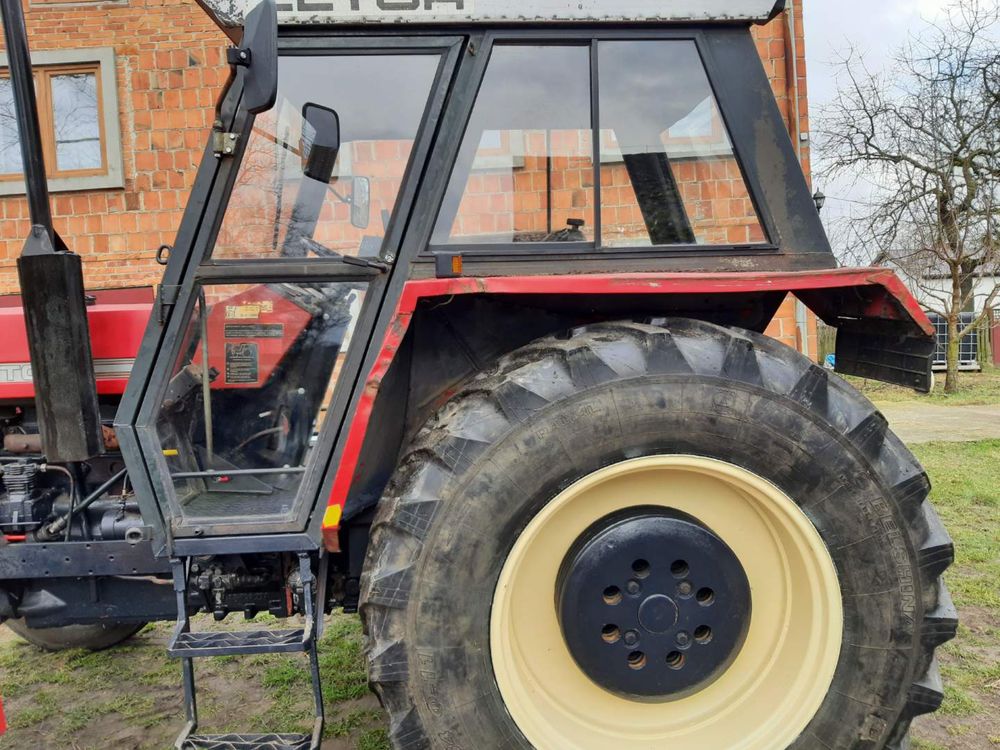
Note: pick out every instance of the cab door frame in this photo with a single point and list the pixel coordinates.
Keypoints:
(190, 264)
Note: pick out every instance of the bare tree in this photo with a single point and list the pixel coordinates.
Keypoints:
(925, 135)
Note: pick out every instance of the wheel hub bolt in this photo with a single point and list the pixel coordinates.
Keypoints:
(683, 639)
(631, 638)
(684, 588)
(633, 587)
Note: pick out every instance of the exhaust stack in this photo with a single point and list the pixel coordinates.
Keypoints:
(51, 279)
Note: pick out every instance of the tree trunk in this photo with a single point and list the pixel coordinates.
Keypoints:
(954, 345)
(968, 271)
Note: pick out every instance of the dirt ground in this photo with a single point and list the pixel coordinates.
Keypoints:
(976, 649)
(129, 698)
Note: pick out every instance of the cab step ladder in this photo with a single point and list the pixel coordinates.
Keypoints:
(188, 646)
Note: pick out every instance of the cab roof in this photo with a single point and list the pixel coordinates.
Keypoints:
(229, 14)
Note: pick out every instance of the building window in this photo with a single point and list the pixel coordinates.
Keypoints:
(78, 119)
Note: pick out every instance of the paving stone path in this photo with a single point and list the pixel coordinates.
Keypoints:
(928, 423)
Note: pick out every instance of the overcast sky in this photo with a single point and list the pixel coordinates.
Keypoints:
(875, 27)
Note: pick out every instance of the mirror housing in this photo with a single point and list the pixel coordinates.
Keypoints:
(320, 148)
(258, 52)
(361, 200)
(320, 142)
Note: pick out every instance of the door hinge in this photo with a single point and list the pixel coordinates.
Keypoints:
(167, 299)
(224, 144)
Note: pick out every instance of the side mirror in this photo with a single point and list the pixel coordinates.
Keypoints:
(258, 52)
(361, 200)
(320, 142)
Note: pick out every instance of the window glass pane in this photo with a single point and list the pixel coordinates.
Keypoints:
(344, 204)
(525, 172)
(75, 117)
(10, 144)
(668, 172)
(249, 394)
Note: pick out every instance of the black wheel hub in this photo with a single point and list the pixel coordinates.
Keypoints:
(652, 604)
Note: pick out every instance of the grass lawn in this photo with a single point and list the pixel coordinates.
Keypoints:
(966, 493)
(975, 388)
(129, 698)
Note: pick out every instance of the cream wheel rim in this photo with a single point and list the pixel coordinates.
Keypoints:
(768, 694)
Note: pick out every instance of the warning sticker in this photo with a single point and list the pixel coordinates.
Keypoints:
(242, 363)
(255, 330)
(249, 311)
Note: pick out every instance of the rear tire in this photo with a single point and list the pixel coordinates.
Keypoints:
(91, 637)
(562, 413)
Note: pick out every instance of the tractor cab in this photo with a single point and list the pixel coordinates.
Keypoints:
(355, 155)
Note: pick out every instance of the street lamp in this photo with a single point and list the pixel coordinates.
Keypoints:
(820, 200)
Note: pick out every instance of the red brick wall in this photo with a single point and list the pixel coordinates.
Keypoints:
(170, 70)
(774, 42)
(170, 63)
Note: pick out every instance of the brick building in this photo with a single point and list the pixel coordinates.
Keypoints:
(126, 95)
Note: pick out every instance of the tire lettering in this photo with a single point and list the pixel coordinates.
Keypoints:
(879, 518)
(428, 674)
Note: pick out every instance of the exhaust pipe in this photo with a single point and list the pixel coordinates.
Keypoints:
(51, 279)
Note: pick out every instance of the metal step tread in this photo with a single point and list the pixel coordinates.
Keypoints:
(219, 643)
(247, 742)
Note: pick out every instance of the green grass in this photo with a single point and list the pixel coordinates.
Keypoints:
(132, 694)
(966, 493)
(975, 389)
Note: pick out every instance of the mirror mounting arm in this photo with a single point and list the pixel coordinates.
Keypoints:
(238, 56)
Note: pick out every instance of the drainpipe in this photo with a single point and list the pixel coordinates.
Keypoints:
(795, 123)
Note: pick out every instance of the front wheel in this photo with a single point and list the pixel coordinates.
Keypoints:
(91, 637)
(645, 536)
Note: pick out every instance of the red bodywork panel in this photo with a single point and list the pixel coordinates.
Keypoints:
(836, 296)
(117, 323)
(249, 334)
(258, 318)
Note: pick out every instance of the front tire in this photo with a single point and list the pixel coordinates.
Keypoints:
(465, 647)
(96, 637)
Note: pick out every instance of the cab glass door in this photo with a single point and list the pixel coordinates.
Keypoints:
(300, 252)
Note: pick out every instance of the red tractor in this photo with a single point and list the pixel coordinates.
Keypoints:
(462, 330)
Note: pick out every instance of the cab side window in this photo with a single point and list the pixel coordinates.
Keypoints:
(525, 172)
(665, 174)
(669, 175)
